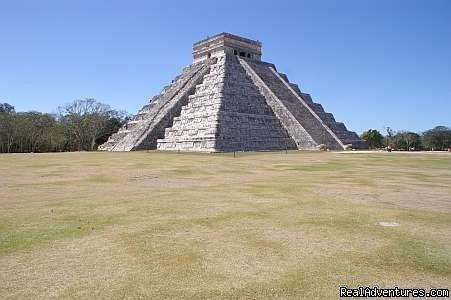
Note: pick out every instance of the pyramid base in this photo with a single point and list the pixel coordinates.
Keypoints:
(191, 145)
(214, 145)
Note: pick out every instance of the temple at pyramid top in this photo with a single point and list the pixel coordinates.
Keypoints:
(224, 42)
(228, 99)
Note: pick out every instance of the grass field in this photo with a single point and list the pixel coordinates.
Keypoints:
(261, 225)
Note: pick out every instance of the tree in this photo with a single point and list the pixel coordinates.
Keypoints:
(8, 130)
(438, 138)
(413, 141)
(81, 125)
(87, 122)
(373, 137)
(7, 127)
(406, 140)
(6, 108)
(388, 138)
(38, 131)
(116, 120)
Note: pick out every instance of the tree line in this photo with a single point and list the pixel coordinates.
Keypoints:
(85, 124)
(437, 138)
(82, 125)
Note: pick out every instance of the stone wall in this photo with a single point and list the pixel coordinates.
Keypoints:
(222, 43)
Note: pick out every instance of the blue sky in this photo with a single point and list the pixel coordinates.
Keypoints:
(371, 63)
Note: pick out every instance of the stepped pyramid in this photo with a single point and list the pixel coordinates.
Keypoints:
(230, 100)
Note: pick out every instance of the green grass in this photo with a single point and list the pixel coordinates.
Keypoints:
(190, 225)
(40, 230)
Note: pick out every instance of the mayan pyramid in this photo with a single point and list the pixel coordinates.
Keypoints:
(230, 100)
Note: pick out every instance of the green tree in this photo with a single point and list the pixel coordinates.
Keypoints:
(6, 108)
(438, 138)
(373, 137)
(406, 140)
(116, 120)
(388, 138)
(8, 129)
(81, 125)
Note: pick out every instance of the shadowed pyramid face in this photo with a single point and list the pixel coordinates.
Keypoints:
(229, 100)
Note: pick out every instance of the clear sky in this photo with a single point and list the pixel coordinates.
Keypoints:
(371, 63)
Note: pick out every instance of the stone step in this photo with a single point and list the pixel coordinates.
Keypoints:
(229, 108)
(338, 128)
(162, 108)
(303, 114)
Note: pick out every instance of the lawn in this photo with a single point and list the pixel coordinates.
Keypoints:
(186, 225)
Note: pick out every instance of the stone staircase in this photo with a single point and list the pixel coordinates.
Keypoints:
(226, 113)
(246, 121)
(300, 136)
(316, 128)
(143, 130)
(339, 128)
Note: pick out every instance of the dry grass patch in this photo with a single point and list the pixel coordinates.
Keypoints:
(188, 225)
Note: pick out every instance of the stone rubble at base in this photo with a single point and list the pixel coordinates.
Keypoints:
(229, 100)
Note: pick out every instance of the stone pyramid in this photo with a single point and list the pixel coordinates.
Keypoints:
(230, 100)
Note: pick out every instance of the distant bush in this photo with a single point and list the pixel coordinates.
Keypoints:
(406, 140)
(438, 138)
(373, 137)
